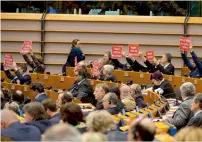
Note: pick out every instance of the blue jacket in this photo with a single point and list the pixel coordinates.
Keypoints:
(41, 98)
(55, 119)
(75, 52)
(197, 71)
(21, 132)
(42, 125)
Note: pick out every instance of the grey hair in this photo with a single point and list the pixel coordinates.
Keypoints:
(137, 89)
(12, 106)
(187, 89)
(100, 121)
(62, 132)
(112, 98)
(108, 69)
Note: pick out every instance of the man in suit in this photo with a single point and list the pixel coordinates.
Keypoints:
(21, 76)
(11, 127)
(52, 110)
(196, 107)
(38, 91)
(183, 113)
(166, 66)
(100, 90)
(110, 101)
(82, 89)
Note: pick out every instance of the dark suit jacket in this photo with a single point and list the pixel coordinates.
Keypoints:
(55, 119)
(109, 78)
(182, 115)
(21, 132)
(196, 120)
(83, 91)
(139, 100)
(41, 98)
(167, 88)
(169, 70)
(42, 125)
(18, 78)
(136, 66)
(113, 110)
(116, 136)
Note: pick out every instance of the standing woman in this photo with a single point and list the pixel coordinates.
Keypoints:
(75, 52)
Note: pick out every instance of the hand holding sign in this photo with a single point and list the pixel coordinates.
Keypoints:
(150, 55)
(133, 50)
(185, 43)
(26, 47)
(8, 60)
(117, 52)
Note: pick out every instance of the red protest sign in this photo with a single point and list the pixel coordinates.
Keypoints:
(95, 68)
(185, 43)
(133, 50)
(150, 55)
(8, 60)
(26, 47)
(75, 61)
(117, 52)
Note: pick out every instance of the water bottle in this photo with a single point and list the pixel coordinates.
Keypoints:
(17, 10)
(80, 12)
(151, 13)
(75, 12)
(172, 131)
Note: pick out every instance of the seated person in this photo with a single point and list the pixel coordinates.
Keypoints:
(20, 76)
(18, 97)
(82, 89)
(165, 68)
(100, 90)
(114, 62)
(196, 66)
(11, 127)
(126, 98)
(83, 67)
(196, 108)
(6, 96)
(38, 91)
(52, 111)
(15, 108)
(72, 114)
(136, 92)
(142, 129)
(107, 74)
(183, 113)
(102, 122)
(62, 132)
(162, 86)
(110, 101)
(63, 98)
(115, 89)
(35, 115)
(36, 64)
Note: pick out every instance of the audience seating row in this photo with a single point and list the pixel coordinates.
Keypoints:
(143, 78)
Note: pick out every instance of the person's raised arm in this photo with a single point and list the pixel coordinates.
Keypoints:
(36, 62)
(27, 60)
(196, 60)
(8, 73)
(186, 60)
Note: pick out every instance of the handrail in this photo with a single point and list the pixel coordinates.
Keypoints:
(43, 33)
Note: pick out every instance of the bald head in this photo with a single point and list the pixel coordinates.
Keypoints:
(62, 132)
(7, 118)
(125, 91)
(141, 129)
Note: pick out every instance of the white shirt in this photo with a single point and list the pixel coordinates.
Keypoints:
(166, 65)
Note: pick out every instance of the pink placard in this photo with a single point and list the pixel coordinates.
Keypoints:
(185, 43)
(117, 52)
(133, 50)
(8, 60)
(150, 55)
(26, 47)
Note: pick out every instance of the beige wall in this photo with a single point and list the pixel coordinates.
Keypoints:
(96, 37)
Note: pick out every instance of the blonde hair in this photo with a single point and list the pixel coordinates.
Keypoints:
(189, 134)
(100, 121)
(93, 137)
